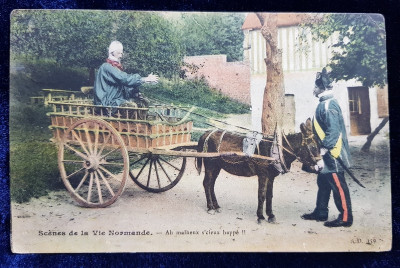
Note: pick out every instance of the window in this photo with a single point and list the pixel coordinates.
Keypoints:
(354, 102)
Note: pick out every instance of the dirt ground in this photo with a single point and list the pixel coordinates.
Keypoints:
(177, 220)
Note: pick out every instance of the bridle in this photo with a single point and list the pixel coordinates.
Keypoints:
(306, 144)
(303, 143)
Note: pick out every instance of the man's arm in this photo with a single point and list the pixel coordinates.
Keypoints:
(332, 132)
(115, 76)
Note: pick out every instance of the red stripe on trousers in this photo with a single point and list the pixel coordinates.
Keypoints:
(344, 203)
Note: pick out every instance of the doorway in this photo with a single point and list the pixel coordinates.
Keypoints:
(360, 111)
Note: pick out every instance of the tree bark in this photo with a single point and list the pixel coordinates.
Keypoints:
(274, 91)
(371, 136)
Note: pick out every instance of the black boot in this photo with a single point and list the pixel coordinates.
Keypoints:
(315, 216)
(339, 222)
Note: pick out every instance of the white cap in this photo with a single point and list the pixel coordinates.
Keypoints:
(114, 46)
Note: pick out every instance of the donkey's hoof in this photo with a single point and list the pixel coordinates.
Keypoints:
(272, 219)
(211, 211)
(218, 210)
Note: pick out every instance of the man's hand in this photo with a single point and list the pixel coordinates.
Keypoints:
(320, 165)
(323, 151)
(151, 78)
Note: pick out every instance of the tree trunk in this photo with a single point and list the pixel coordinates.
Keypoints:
(274, 92)
(371, 136)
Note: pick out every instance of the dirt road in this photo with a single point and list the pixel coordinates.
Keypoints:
(177, 220)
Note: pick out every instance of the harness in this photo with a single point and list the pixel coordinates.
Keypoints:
(220, 140)
(276, 152)
(205, 146)
(252, 141)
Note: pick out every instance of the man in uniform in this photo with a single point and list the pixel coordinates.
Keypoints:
(113, 86)
(329, 127)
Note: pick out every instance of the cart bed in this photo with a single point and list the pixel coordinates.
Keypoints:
(140, 128)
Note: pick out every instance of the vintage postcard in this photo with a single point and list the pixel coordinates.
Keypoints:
(198, 132)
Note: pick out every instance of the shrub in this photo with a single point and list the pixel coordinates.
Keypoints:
(33, 170)
(28, 123)
(37, 75)
(53, 75)
(194, 92)
(33, 159)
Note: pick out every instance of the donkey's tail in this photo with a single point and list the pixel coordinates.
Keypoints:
(200, 148)
(199, 164)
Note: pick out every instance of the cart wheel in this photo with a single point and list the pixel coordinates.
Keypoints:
(157, 173)
(93, 162)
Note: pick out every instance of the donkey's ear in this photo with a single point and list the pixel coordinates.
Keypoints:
(303, 128)
(309, 124)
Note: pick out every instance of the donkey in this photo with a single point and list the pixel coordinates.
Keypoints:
(302, 146)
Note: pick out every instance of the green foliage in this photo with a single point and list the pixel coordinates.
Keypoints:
(213, 33)
(33, 159)
(209, 102)
(360, 49)
(194, 92)
(40, 74)
(154, 42)
(196, 135)
(80, 38)
(150, 42)
(28, 123)
(33, 170)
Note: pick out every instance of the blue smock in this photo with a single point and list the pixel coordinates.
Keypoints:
(114, 87)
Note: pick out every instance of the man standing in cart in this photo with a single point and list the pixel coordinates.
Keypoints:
(329, 127)
(113, 86)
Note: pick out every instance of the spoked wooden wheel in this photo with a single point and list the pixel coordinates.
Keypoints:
(93, 162)
(157, 173)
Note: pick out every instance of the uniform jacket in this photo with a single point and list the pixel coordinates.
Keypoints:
(113, 87)
(330, 119)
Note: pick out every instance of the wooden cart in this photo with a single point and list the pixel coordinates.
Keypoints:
(99, 147)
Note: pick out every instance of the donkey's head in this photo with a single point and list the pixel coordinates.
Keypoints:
(309, 152)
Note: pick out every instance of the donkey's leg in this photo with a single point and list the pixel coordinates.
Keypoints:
(268, 205)
(208, 183)
(214, 177)
(261, 196)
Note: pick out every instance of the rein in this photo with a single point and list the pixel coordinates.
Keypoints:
(283, 147)
(290, 147)
(291, 151)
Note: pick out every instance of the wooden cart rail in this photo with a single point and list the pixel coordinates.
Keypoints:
(169, 150)
(52, 95)
(161, 124)
(83, 108)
